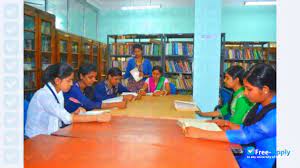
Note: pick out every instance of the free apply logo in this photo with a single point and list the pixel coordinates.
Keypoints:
(256, 153)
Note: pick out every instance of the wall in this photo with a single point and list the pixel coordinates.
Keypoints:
(249, 23)
(81, 18)
(175, 20)
(240, 23)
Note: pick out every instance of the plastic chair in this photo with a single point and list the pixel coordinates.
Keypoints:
(172, 89)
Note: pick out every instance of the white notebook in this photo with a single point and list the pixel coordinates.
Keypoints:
(129, 93)
(113, 100)
(183, 123)
(95, 112)
(185, 106)
(136, 74)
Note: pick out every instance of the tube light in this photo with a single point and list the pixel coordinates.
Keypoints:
(140, 7)
(259, 3)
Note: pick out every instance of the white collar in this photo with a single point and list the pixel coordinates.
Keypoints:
(53, 88)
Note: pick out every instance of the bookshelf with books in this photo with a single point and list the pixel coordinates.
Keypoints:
(39, 47)
(120, 48)
(68, 49)
(178, 59)
(87, 51)
(246, 54)
(270, 53)
(103, 62)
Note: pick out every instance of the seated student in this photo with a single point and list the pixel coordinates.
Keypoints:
(111, 87)
(76, 97)
(259, 127)
(157, 84)
(239, 106)
(46, 110)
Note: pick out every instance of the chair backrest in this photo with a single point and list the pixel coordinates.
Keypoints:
(26, 104)
(172, 88)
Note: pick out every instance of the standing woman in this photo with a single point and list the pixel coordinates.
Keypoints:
(259, 128)
(143, 65)
(46, 112)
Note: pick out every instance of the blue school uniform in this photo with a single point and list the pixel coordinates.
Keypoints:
(103, 92)
(263, 135)
(146, 68)
(83, 100)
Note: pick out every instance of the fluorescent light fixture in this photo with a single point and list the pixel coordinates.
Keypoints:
(259, 3)
(140, 7)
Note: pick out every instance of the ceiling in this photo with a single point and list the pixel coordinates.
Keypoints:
(117, 4)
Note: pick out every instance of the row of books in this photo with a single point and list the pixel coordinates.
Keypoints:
(245, 53)
(127, 49)
(245, 65)
(120, 63)
(179, 48)
(178, 66)
(29, 62)
(181, 82)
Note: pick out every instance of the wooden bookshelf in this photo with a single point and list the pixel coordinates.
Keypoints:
(39, 47)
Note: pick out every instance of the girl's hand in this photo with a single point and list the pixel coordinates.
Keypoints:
(139, 97)
(142, 92)
(141, 74)
(122, 104)
(80, 109)
(220, 122)
(128, 97)
(105, 117)
(158, 93)
(192, 132)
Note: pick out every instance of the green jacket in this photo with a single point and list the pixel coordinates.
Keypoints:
(239, 107)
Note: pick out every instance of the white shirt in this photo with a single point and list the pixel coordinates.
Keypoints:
(44, 115)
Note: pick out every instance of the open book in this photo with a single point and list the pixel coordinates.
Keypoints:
(183, 123)
(185, 106)
(129, 93)
(136, 74)
(94, 112)
(113, 100)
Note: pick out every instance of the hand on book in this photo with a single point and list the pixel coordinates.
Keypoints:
(159, 93)
(80, 109)
(141, 74)
(142, 92)
(192, 132)
(129, 97)
(105, 117)
(122, 104)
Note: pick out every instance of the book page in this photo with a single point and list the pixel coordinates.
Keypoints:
(113, 100)
(94, 112)
(129, 93)
(185, 105)
(136, 74)
(198, 124)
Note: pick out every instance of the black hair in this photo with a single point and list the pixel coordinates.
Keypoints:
(236, 71)
(261, 75)
(159, 68)
(137, 45)
(114, 71)
(59, 70)
(86, 69)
